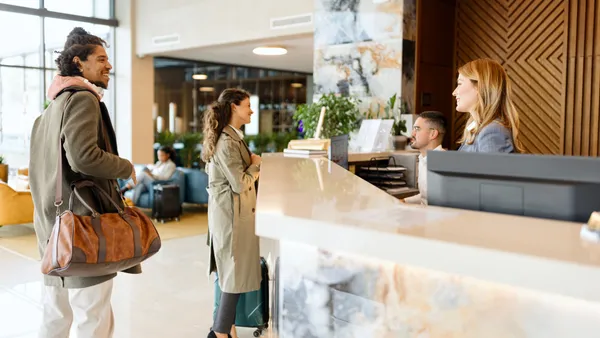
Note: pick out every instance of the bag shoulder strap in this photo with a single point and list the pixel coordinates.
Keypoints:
(58, 196)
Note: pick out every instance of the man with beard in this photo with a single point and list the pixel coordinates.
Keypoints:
(74, 140)
(428, 133)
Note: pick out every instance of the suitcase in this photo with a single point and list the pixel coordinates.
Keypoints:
(276, 306)
(167, 203)
(253, 307)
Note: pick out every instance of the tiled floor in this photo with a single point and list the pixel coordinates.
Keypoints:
(172, 298)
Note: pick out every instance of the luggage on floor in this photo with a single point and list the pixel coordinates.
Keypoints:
(275, 305)
(253, 307)
(167, 204)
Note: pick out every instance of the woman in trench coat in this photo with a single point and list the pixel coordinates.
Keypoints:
(232, 171)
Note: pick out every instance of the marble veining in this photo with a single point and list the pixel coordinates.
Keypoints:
(365, 70)
(361, 50)
(329, 294)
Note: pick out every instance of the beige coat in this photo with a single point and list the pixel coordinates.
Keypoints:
(85, 157)
(234, 248)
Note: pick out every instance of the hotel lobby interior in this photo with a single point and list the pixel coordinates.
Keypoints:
(508, 247)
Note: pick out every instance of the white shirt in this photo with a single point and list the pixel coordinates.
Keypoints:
(472, 125)
(163, 171)
(239, 132)
(421, 198)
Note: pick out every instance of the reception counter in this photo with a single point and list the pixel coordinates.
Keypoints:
(356, 262)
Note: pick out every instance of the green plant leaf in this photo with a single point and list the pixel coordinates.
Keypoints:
(341, 116)
(166, 138)
(190, 151)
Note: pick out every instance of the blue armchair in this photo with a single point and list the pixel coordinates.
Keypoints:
(196, 182)
(147, 198)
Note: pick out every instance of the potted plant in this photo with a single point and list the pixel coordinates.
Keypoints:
(282, 139)
(3, 170)
(190, 150)
(400, 140)
(341, 117)
(259, 143)
(166, 138)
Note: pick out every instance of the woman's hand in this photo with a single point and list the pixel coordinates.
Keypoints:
(256, 160)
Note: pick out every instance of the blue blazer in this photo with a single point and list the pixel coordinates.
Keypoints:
(493, 138)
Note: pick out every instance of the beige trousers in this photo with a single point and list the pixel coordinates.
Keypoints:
(87, 309)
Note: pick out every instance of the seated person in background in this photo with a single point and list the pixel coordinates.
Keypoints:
(162, 170)
(428, 133)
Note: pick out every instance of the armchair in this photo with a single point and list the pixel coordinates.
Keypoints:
(16, 207)
(196, 182)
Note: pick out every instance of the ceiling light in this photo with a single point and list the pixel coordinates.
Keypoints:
(199, 77)
(269, 51)
(296, 85)
(207, 89)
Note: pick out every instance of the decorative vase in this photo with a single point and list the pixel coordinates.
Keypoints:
(4, 173)
(400, 142)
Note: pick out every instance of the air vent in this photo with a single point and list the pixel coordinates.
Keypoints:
(172, 39)
(292, 21)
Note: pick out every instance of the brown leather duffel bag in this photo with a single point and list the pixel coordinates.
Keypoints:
(100, 244)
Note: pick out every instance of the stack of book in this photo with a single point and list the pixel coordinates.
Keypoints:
(306, 153)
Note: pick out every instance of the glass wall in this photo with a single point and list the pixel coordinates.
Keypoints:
(27, 64)
(189, 87)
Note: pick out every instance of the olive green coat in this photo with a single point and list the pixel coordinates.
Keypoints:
(234, 247)
(85, 156)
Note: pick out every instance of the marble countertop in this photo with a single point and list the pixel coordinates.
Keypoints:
(316, 202)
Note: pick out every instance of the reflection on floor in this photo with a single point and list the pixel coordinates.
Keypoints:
(173, 297)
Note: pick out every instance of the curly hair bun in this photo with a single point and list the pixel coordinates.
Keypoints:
(78, 31)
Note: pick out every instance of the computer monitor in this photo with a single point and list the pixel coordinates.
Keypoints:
(544, 186)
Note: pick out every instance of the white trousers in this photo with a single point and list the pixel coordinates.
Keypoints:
(88, 309)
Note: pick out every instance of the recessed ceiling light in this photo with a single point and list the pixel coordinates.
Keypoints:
(207, 89)
(199, 77)
(269, 51)
(296, 85)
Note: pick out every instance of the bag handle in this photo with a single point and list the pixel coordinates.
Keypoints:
(90, 184)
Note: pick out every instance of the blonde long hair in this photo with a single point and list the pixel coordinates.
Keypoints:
(217, 117)
(494, 99)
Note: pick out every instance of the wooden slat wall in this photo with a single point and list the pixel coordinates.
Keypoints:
(527, 37)
(582, 79)
(551, 51)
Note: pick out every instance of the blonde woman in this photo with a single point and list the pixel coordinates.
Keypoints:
(484, 91)
(232, 171)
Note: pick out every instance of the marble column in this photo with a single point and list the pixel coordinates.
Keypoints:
(365, 48)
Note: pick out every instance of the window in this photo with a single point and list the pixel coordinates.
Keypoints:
(93, 8)
(27, 70)
(24, 47)
(22, 3)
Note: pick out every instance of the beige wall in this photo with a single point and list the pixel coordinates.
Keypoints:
(209, 22)
(134, 90)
